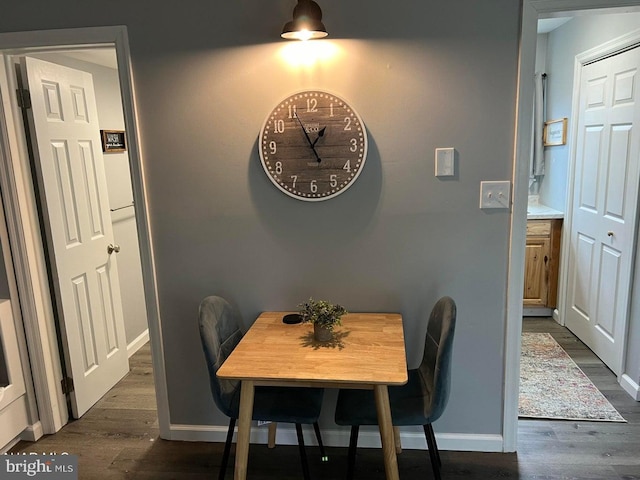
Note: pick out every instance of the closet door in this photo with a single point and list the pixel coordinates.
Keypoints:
(605, 199)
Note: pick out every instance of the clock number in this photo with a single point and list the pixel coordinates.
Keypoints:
(312, 105)
(312, 145)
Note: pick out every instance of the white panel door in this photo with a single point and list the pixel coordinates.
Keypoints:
(69, 163)
(604, 205)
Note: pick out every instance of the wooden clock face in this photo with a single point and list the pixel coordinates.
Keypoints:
(313, 145)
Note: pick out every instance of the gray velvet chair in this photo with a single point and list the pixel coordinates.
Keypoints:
(220, 333)
(421, 400)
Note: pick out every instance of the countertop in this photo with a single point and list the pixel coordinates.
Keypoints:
(538, 211)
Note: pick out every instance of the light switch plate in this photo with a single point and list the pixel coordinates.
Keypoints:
(495, 194)
(445, 162)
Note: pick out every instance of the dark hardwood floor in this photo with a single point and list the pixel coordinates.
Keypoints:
(118, 439)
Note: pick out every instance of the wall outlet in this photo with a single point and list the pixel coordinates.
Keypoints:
(495, 194)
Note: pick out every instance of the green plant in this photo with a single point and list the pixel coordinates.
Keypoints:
(322, 313)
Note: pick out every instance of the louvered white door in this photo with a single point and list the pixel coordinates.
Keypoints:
(71, 176)
(605, 202)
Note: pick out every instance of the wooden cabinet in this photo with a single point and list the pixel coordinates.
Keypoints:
(541, 263)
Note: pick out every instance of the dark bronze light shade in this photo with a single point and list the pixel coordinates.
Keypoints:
(306, 24)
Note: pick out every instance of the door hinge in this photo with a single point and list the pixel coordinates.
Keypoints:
(67, 385)
(24, 98)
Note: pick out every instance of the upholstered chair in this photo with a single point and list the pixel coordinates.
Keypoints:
(421, 400)
(220, 333)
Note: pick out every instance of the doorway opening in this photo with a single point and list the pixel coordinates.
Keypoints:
(104, 52)
(87, 214)
(538, 11)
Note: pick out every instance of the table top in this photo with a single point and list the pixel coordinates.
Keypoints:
(368, 349)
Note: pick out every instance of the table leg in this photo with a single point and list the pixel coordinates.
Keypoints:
(271, 443)
(386, 431)
(396, 436)
(244, 429)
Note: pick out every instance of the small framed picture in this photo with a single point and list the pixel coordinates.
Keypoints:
(113, 141)
(555, 132)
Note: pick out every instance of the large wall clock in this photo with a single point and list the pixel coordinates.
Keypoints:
(313, 145)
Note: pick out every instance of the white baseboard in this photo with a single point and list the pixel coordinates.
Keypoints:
(631, 387)
(369, 437)
(32, 433)
(138, 343)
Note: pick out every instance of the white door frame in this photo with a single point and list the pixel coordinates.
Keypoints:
(531, 11)
(24, 229)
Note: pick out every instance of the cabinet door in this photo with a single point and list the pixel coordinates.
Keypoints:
(536, 272)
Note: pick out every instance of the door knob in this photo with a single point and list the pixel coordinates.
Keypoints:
(112, 248)
(610, 233)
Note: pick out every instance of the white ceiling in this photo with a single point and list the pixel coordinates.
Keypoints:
(545, 25)
(102, 56)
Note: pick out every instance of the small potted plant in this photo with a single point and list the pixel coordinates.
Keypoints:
(324, 316)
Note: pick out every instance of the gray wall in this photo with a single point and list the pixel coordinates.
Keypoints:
(579, 35)
(576, 36)
(421, 74)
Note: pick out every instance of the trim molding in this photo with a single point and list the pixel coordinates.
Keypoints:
(631, 387)
(614, 45)
(32, 433)
(33, 299)
(138, 343)
(550, 6)
(518, 227)
(411, 438)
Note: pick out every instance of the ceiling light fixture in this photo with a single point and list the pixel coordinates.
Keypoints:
(306, 24)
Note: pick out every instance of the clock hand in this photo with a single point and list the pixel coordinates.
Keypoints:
(308, 139)
(304, 130)
(320, 134)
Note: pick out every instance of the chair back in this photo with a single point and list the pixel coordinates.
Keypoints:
(435, 368)
(220, 333)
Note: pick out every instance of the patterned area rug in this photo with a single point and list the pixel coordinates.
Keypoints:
(553, 386)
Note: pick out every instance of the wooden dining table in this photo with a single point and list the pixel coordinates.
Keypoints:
(367, 352)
